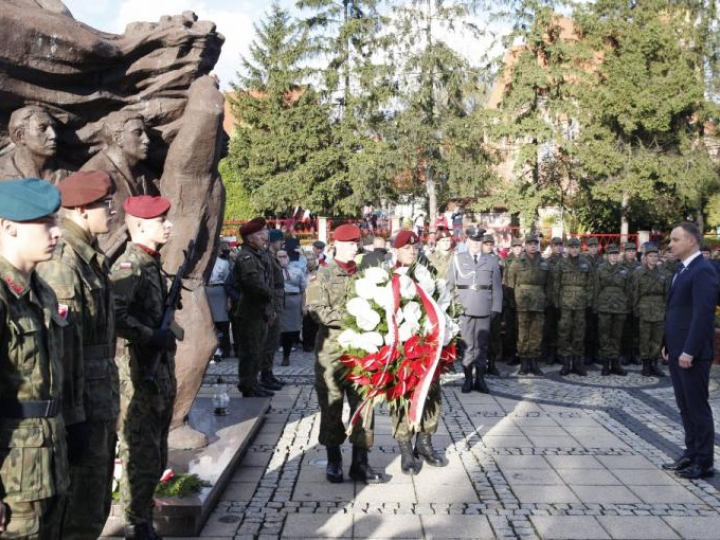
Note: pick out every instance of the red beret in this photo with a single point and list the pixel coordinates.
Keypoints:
(346, 233)
(146, 207)
(253, 226)
(85, 187)
(405, 238)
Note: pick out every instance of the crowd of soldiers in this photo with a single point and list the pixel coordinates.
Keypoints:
(76, 337)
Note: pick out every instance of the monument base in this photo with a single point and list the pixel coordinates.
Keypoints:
(228, 439)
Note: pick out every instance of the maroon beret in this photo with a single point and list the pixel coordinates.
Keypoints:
(346, 233)
(85, 187)
(405, 238)
(253, 226)
(146, 207)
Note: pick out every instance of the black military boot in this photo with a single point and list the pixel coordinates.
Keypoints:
(492, 368)
(524, 366)
(616, 368)
(535, 368)
(513, 360)
(605, 362)
(333, 470)
(646, 369)
(360, 470)
(468, 383)
(578, 365)
(656, 369)
(567, 365)
(408, 463)
(152, 533)
(480, 384)
(137, 531)
(269, 381)
(424, 449)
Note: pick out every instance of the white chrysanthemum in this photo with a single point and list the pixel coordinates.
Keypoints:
(358, 306)
(384, 297)
(347, 338)
(407, 288)
(376, 275)
(365, 288)
(412, 312)
(368, 320)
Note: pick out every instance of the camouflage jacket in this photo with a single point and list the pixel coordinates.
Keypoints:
(572, 283)
(278, 283)
(79, 275)
(596, 261)
(612, 289)
(441, 262)
(34, 457)
(140, 292)
(529, 277)
(631, 265)
(650, 288)
(253, 281)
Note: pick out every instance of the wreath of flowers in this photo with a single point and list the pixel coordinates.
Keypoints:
(398, 338)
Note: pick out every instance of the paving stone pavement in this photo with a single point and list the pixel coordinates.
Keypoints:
(539, 458)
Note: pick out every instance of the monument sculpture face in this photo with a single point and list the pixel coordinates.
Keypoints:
(143, 107)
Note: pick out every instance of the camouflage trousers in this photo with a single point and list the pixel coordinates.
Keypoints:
(651, 338)
(610, 328)
(630, 337)
(250, 332)
(144, 425)
(550, 331)
(90, 495)
(35, 520)
(272, 342)
(530, 333)
(571, 332)
(332, 389)
(402, 431)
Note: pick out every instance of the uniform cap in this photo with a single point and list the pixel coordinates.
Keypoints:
(612, 248)
(146, 206)
(85, 187)
(630, 245)
(254, 225)
(346, 233)
(275, 235)
(649, 247)
(592, 241)
(516, 242)
(574, 242)
(532, 238)
(27, 199)
(475, 233)
(406, 238)
(488, 238)
(557, 241)
(318, 244)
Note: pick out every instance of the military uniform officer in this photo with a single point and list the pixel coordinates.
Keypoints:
(276, 238)
(611, 302)
(510, 335)
(529, 277)
(407, 257)
(650, 287)
(630, 342)
(79, 275)
(33, 470)
(593, 257)
(146, 408)
(254, 311)
(572, 288)
(327, 298)
(552, 313)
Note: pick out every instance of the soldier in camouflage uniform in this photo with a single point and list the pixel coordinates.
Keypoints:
(510, 335)
(650, 287)
(593, 257)
(34, 469)
(611, 302)
(572, 289)
(79, 275)
(552, 313)
(327, 298)
(145, 408)
(630, 334)
(272, 341)
(529, 278)
(442, 257)
(254, 311)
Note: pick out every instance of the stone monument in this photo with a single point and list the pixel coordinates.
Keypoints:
(142, 106)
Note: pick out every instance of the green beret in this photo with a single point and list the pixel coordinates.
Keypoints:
(592, 241)
(557, 241)
(275, 235)
(532, 238)
(488, 238)
(28, 199)
(630, 245)
(574, 242)
(612, 248)
(516, 242)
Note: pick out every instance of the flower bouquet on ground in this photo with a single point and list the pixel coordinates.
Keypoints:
(398, 338)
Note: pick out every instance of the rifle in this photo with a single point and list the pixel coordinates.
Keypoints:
(171, 304)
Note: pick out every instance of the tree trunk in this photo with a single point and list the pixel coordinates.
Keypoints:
(431, 191)
(624, 224)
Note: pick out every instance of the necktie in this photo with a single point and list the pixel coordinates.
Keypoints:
(679, 271)
(475, 258)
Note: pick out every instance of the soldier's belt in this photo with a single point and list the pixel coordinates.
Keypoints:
(29, 409)
(474, 287)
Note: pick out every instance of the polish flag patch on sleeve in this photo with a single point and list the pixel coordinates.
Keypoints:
(63, 310)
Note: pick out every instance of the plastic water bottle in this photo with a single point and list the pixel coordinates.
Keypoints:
(221, 399)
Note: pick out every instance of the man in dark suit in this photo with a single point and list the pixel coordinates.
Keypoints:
(688, 346)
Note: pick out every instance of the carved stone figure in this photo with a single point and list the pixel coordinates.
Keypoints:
(33, 133)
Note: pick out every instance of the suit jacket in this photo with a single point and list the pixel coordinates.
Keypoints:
(690, 312)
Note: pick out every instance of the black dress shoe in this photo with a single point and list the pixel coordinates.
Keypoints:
(678, 465)
(695, 471)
